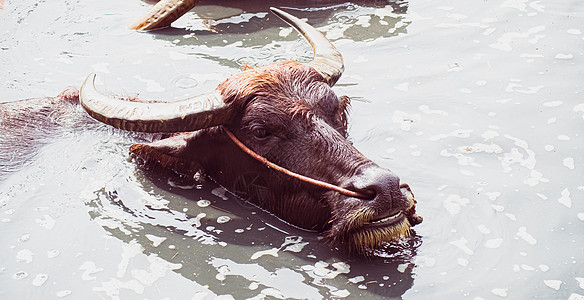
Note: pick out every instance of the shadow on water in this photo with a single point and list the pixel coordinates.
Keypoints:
(218, 240)
(230, 245)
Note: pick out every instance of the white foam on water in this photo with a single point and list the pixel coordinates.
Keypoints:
(554, 284)
(493, 243)
(89, 268)
(501, 292)
(156, 240)
(565, 199)
(24, 255)
(522, 233)
(569, 163)
(462, 245)
(40, 279)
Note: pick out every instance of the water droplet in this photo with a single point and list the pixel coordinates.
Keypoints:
(20, 275)
(52, 253)
(63, 293)
(357, 279)
(24, 237)
(203, 203)
(223, 219)
(40, 279)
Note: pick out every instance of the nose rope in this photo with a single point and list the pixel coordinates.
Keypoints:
(274, 166)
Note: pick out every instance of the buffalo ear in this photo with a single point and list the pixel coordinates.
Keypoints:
(342, 115)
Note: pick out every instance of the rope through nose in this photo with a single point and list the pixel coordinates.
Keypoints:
(274, 166)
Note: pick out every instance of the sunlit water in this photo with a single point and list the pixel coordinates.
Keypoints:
(477, 105)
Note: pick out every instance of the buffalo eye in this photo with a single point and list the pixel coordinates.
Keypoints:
(260, 132)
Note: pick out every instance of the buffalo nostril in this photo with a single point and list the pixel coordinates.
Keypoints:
(368, 194)
(376, 184)
(363, 192)
(369, 191)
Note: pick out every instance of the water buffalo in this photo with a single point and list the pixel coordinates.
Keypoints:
(287, 113)
(165, 12)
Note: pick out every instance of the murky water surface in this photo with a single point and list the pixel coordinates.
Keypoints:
(478, 105)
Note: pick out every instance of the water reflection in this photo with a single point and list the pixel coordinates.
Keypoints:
(247, 250)
(249, 24)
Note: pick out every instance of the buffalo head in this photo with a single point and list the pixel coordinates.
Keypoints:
(287, 113)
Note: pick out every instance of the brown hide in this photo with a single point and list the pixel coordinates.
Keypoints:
(27, 125)
(288, 114)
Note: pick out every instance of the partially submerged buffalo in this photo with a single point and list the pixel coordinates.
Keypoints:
(287, 116)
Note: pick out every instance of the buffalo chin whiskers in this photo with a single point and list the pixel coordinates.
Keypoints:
(369, 238)
(358, 217)
(361, 238)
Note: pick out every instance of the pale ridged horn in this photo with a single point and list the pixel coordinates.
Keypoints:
(327, 60)
(186, 115)
(163, 14)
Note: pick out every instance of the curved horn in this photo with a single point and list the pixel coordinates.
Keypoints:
(186, 115)
(327, 60)
(163, 14)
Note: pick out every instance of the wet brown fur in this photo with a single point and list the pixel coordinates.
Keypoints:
(308, 126)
